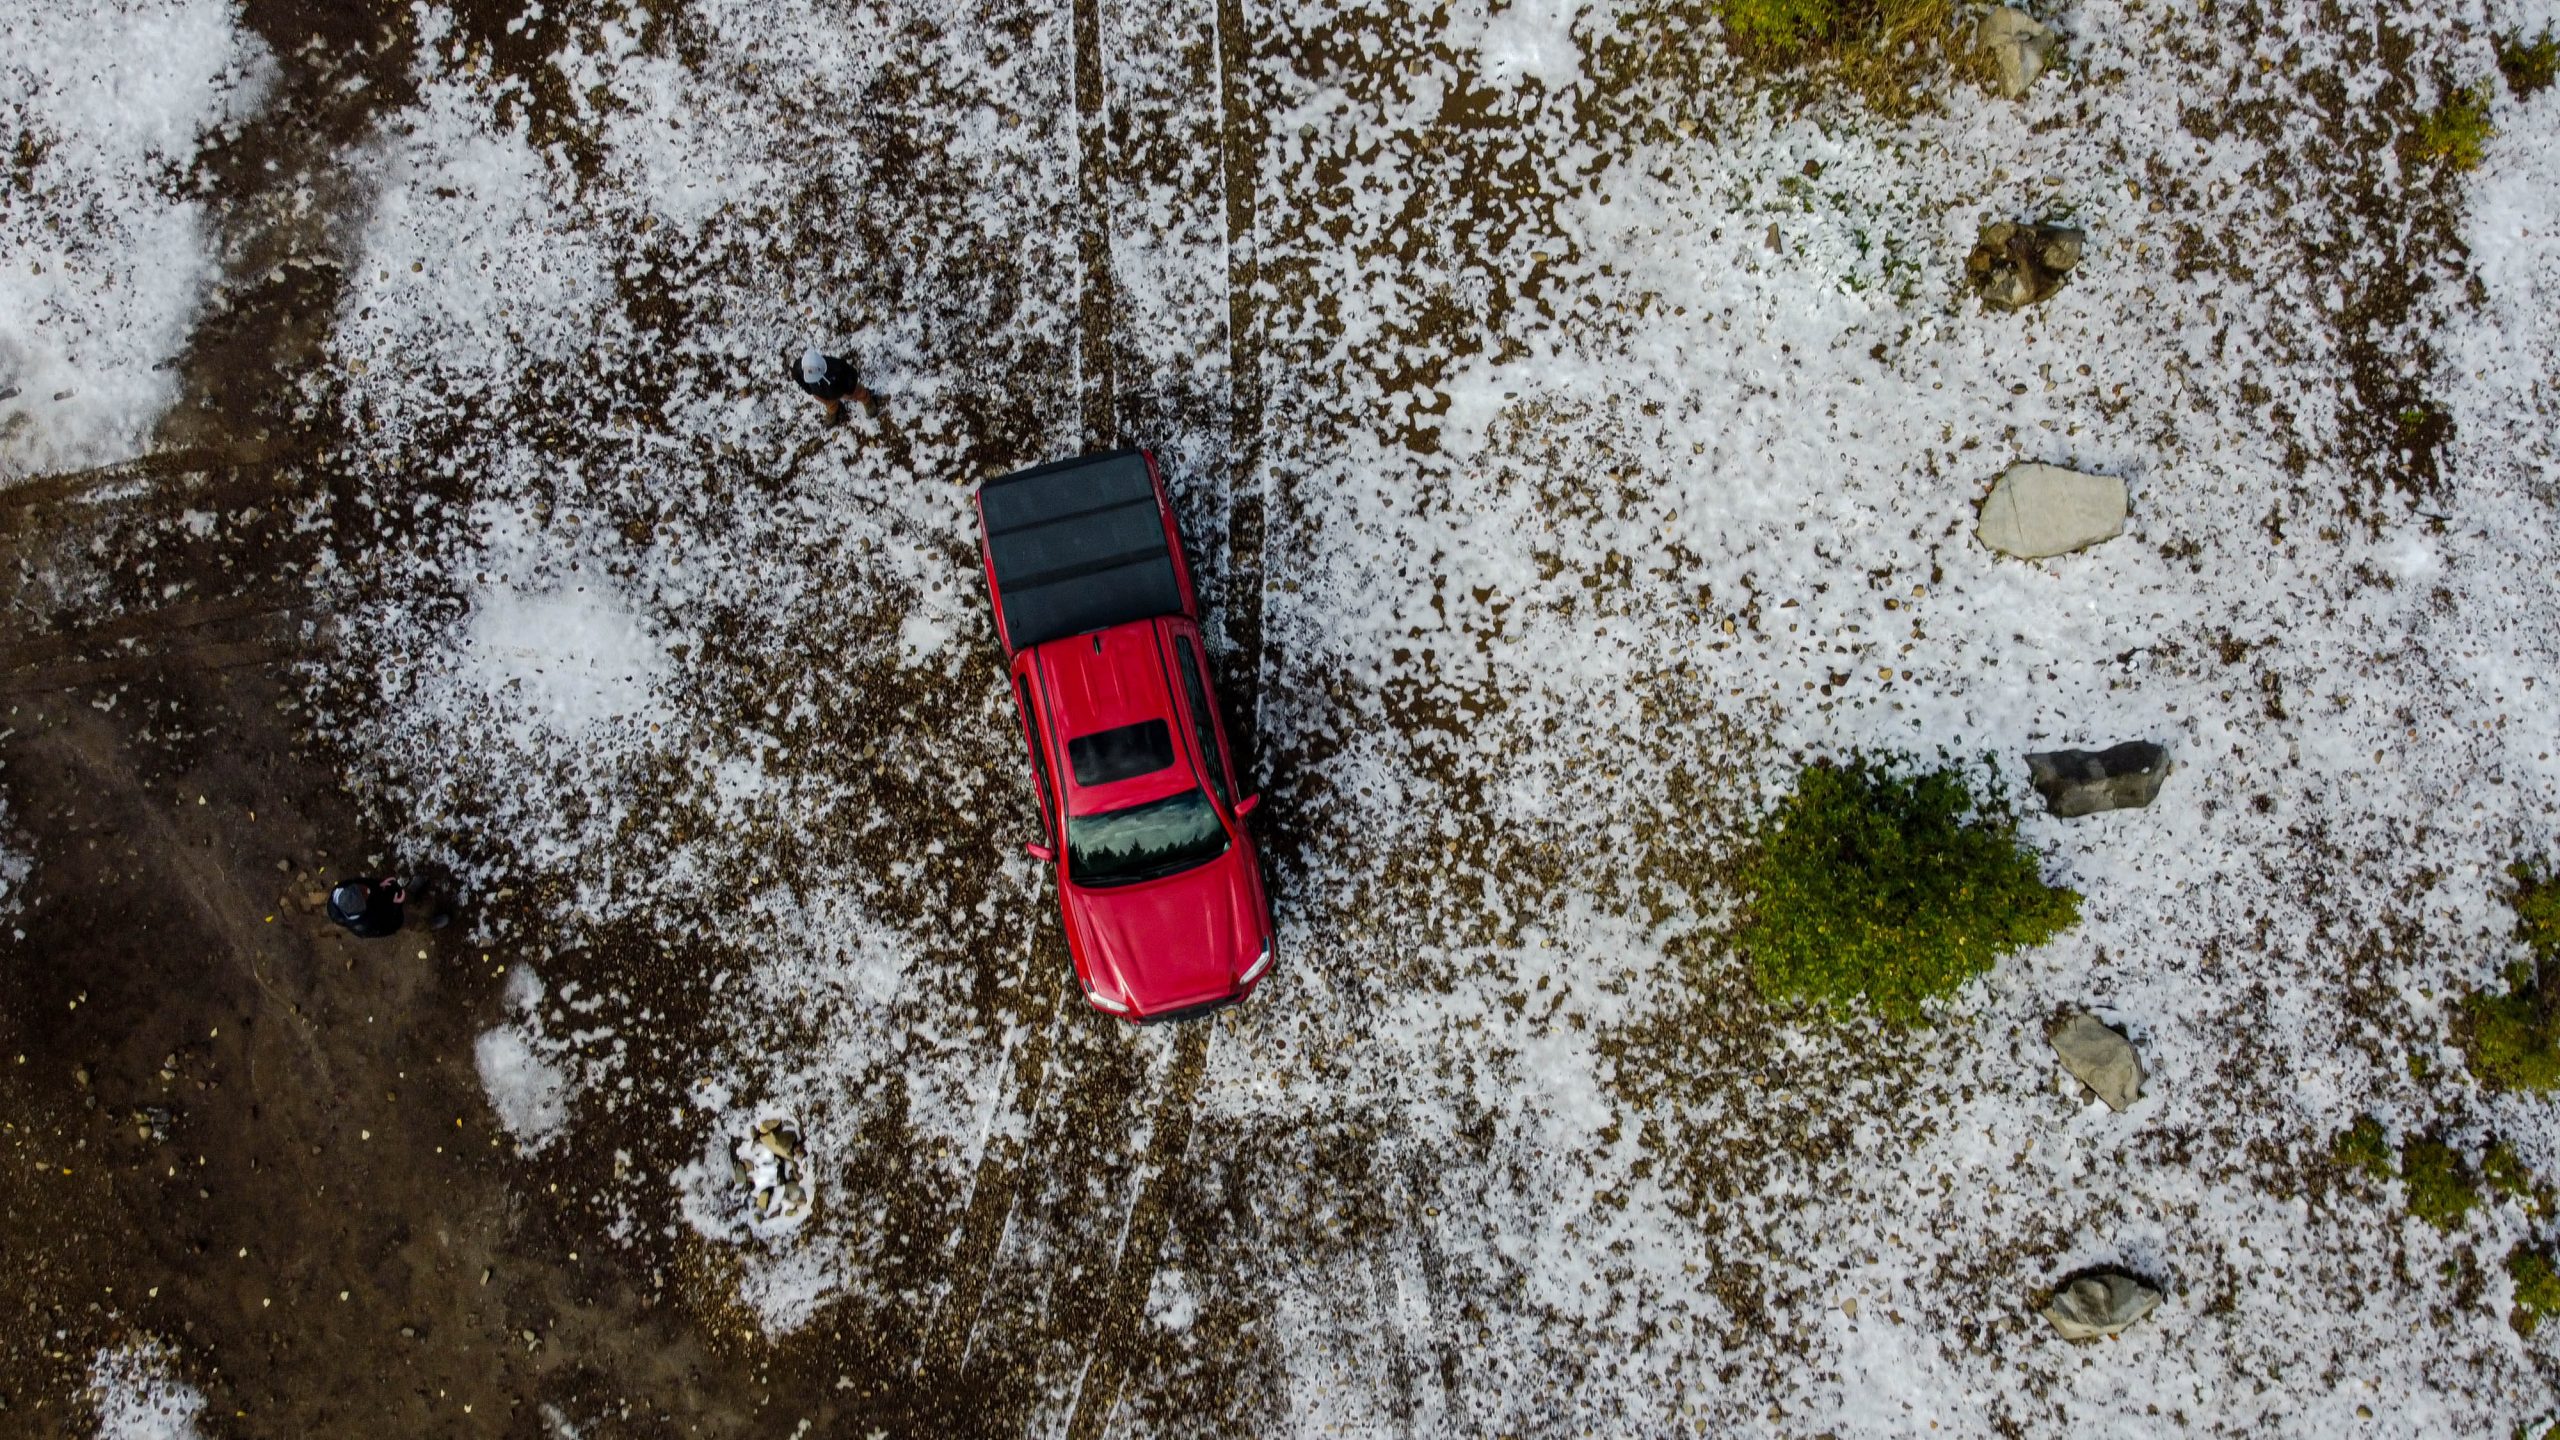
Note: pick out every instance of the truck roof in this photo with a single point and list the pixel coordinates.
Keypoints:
(1079, 545)
(1114, 684)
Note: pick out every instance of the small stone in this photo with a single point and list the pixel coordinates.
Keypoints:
(2020, 48)
(2038, 511)
(2089, 782)
(2096, 1305)
(2013, 266)
(2100, 1057)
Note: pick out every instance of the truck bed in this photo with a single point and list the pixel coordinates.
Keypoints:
(1078, 545)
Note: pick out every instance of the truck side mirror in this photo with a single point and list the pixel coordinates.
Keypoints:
(1248, 805)
(1041, 853)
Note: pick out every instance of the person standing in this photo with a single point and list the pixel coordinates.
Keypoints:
(833, 380)
(369, 908)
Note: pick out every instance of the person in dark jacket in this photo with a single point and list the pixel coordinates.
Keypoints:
(832, 379)
(370, 908)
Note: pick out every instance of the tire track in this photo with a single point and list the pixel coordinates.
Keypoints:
(1150, 1218)
(163, 623)
(1241, 132)
(1099, 301)
(944, 1358)
(205, 463)
(204, 657)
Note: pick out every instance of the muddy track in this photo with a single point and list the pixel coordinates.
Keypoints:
(993, 1193)
(206, 657)
(1241, 130)
(162, 624)
(1099, 298)
(1150, 1217)
(195, 463)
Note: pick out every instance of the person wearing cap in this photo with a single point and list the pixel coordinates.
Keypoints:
(369, 908)
(832, 379)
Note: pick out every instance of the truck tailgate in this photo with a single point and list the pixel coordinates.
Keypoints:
(1078, 545)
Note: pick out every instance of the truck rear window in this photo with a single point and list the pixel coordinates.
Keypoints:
(1108, 756)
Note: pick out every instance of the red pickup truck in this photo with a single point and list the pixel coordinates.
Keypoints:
(1142, 805)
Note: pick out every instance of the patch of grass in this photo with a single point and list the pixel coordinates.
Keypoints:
(2513, 1040)
(1885, 51)
(1780, 23)
(2537, 1287)
(1870, 887)
(2529, 65)
(2363, 1146)
(2456, 132)
(2440, 1190)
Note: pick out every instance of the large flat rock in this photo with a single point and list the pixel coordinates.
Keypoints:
(2040, 510)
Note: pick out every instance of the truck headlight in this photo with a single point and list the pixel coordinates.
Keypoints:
(1260, 963)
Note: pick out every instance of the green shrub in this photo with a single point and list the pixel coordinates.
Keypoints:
(2363, 1146)
(2513, 1040)
(2529, 65)
(2440, 1191)
(2537, 1287)
(2456, 132)
(1888, 889)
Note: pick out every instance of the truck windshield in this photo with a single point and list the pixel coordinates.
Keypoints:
(1144, 842)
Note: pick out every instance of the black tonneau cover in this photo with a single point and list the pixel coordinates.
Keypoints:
(1078, 545)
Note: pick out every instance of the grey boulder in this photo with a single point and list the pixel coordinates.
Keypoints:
(2019, 48)
(2038, 511)
(2096, 1305)
(2098, 1056)
(2086, 782)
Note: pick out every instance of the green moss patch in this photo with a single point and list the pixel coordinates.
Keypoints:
(2512, 1040)
(2440, 1189)
(2506, 1173)
(2537, 1287)
(2362, 1146)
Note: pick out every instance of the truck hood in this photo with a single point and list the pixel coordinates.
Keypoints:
(1170, 943)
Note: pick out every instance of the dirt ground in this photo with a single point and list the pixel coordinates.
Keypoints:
(231, 1127)
(226, 1123)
